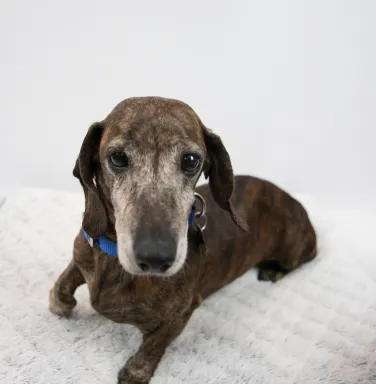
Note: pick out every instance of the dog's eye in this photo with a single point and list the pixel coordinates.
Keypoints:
(190, 163)
(119, 159)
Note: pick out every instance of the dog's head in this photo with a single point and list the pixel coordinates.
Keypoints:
(139, 168)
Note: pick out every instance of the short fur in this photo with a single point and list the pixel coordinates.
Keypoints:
(250, 222)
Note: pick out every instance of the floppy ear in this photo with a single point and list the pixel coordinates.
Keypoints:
(221, 177)
(95, 217)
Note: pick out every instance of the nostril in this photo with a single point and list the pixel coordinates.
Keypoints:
(165, 267)
(154, 256)
(145, 267)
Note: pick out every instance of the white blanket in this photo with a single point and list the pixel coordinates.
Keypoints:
(317, 325)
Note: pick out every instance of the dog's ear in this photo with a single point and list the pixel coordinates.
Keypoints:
(221, 177)
(87, 165)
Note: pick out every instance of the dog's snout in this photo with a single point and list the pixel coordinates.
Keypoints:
(155, 256)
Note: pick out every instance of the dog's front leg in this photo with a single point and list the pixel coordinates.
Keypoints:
(62, 300)
(140, 368)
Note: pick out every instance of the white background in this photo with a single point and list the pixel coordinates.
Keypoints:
(289, 85)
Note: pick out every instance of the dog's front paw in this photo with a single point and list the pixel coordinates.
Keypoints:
(126, 377)
(61, 304)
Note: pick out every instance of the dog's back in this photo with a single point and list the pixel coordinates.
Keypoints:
(280, 236)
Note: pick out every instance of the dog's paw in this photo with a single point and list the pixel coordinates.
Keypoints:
(61, 305)
(270, 274)
(126, 377)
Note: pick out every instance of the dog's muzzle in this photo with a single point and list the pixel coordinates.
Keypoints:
(155, 248)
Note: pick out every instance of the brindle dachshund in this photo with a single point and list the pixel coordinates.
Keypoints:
(138, 169)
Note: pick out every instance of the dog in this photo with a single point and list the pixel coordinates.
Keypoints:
(153, 245)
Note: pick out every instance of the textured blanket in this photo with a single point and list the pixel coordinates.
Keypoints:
(317, 325)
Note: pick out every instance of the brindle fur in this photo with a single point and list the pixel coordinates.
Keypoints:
(250, 222)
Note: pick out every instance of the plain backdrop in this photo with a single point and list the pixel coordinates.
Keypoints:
(290, 86)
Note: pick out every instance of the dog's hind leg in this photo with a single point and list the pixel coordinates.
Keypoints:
(270, 271)
(274, 269)
(62, 300)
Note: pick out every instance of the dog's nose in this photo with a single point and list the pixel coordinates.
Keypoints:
(155, 256)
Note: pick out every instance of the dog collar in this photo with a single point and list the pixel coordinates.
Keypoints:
(110, 247)
(106, 245)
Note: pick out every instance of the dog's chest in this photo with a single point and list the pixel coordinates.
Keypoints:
(118, 303)
(125, 299)
(124, 308)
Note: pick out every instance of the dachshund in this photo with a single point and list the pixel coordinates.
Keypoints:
(153, 245)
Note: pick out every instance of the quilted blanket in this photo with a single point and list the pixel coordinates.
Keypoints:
(317, 325)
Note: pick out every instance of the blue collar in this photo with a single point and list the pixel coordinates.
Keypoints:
(110, 247)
